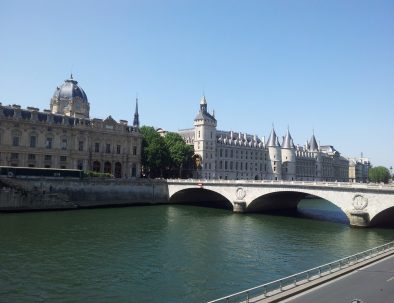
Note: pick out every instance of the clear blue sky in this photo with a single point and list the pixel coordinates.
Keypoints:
(322, 65)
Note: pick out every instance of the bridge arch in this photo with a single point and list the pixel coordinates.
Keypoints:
(383, 218)
(287, 200)
(201, 197)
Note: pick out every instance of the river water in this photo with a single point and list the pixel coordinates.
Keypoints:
(169, 253)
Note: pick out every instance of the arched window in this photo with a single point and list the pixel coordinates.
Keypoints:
(107, 167)
(96, 166)
(118, 170)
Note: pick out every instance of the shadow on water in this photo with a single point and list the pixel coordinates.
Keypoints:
(313, 208)
(320, 209)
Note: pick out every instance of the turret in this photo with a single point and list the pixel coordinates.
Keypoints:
(288, 158)
(274, 164)
(315, 149)
(205, 140)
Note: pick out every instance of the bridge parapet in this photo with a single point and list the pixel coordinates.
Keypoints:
(360, 202)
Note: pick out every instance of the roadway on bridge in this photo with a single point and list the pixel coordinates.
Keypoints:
(370, 284)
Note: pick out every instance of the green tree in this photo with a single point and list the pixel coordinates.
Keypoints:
(180, 152)
(379, 174)
(155, 155)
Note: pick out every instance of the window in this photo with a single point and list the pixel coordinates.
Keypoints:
(199, 134)
(108, 148)
(80, 165)
(118, 149)
(96, 147)
(64, 144)
(49, 143)
(134, 171)
(134, 150)
(15, 141)
(33, 141)
(31, 157)
(48, 158)
(63, 158)
(14, 156)
(80, 145)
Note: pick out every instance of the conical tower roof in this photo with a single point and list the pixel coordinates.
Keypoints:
(273, 139)
(288, 141)
(313, 144)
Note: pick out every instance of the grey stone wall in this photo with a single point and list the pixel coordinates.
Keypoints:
(44, 193)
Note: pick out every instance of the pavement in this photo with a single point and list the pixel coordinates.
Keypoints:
(371, 284)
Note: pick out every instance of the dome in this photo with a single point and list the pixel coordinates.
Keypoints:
(70, 99)
(70, 90)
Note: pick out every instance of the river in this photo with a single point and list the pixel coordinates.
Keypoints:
(168, 253)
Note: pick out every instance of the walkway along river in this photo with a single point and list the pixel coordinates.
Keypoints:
(165, 253)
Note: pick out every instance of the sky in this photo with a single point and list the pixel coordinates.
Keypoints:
(308, 65)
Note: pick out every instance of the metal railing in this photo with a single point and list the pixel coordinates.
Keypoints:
(278, 286)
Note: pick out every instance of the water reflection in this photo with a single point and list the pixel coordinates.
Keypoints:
(171, 253)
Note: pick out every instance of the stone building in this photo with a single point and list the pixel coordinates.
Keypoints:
(358, 169)
(236, 155)
(65, 137)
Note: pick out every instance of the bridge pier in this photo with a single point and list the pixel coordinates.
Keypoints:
(359, 218)
(239, 207)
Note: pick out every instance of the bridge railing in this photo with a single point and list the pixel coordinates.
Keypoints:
(284, 284)
(284, 182)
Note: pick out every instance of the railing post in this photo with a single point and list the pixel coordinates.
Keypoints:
(319, 272)
(247, 297)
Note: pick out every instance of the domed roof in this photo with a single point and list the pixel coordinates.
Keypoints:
(70, 90)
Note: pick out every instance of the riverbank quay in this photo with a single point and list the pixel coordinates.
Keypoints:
(363, 275)
(29, 194)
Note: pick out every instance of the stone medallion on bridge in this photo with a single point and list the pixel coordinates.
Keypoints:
(240, 193)
(360, 202)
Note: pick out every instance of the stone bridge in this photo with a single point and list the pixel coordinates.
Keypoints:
(363, 204)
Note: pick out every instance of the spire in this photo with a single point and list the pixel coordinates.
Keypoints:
(288, 141)
(136, 122)
(313, 143)
(71, 76)
(273, 139)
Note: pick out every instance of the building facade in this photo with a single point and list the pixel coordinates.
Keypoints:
(235, 155)
(65, 137)
(359, 169)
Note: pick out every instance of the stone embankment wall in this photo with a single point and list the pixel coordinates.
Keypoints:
(47, 193)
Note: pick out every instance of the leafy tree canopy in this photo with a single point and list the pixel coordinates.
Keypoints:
(164, 155)
(379, 174)
(155, 155)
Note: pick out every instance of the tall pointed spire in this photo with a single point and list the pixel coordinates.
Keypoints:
(136, 122)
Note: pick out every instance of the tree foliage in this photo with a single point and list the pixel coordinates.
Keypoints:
(180, 152)
(161, 156)
(379, 174)
(155, 156)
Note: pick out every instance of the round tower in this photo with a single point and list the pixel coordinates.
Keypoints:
(274, 167)
(205, 141)
(288, 158)
(315, 149)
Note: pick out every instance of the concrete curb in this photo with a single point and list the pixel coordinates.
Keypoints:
(319, 281)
